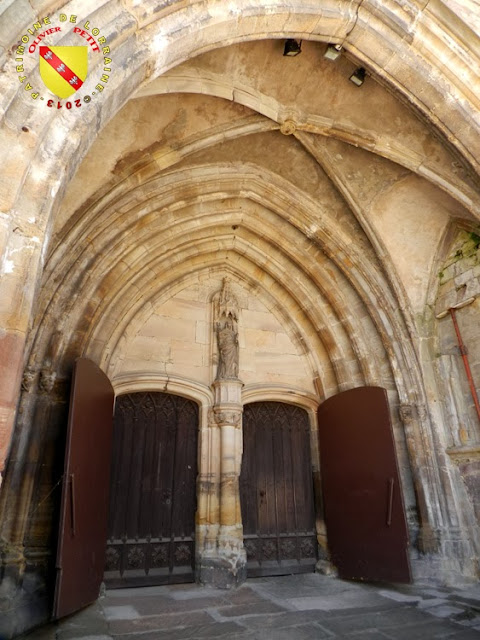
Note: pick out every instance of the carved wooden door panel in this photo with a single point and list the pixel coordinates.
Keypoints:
(84, 505)
(151, 529)
(364, 513)
(276, 490)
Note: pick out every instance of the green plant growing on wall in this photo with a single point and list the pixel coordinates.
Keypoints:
(475, 239)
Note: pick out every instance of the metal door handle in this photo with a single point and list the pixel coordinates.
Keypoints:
(72, 501)
(391, 483)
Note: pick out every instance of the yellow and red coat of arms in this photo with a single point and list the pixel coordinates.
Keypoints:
(63, 69)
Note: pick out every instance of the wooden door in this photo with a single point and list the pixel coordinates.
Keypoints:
(151, 529)
(364, 513)
(276, 490)
(84, 503)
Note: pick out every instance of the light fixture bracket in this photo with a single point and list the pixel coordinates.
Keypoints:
(333, 51)
(292, 47)
(358, 77)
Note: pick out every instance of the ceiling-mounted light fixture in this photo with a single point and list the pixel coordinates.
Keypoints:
(292, 47)
(333, 51)
(358, 77)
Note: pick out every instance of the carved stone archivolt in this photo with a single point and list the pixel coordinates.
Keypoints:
(46, 381)
(411, 412)
(407, 413)
(413, 417)
(28, 379)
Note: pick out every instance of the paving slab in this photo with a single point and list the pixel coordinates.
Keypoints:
(162, 605)
(303, 632)
(431, 602)
(89, 623)
(435, 593)
(444, 611)
(398, 596)
(84, 637)
(424, 631)
(160, 623)
(171, 634)
(357, 600)
(305, 607)
(242, 610)
(369, 635)
(242, 595)
(471, 593)
(218, 629)
(468, 619)
(120, 612)
(282, 620)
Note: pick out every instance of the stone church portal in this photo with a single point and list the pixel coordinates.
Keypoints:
(263, 208)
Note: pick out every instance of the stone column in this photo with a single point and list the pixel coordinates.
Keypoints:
(231, 554)
(30, 500)
(224, 565)
(412, 415)
(208, 510)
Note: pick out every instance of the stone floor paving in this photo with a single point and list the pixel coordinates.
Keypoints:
(304, 607)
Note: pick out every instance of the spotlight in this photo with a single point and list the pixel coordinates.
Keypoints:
(292, 47)
(333, 51)
(358, 77)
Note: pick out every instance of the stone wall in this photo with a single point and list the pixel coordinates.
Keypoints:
(459, 288)
(177, 339)
(458, 285)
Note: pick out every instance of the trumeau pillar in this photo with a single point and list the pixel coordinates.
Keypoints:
(208, 507)
(223, 563)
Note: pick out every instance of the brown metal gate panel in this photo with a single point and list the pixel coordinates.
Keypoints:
(151, 529)
(276, 490)
(364, 512)
(84, 506)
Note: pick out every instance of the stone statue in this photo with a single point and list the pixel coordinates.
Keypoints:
(227, 339)
(226, 327)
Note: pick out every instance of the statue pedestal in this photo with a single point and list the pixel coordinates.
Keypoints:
(228, 394)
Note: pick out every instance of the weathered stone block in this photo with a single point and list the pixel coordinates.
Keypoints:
(219, 573)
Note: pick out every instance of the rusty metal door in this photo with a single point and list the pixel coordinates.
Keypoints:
(84, 505)
(364, 513)
(276, 490)
(151, 528)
